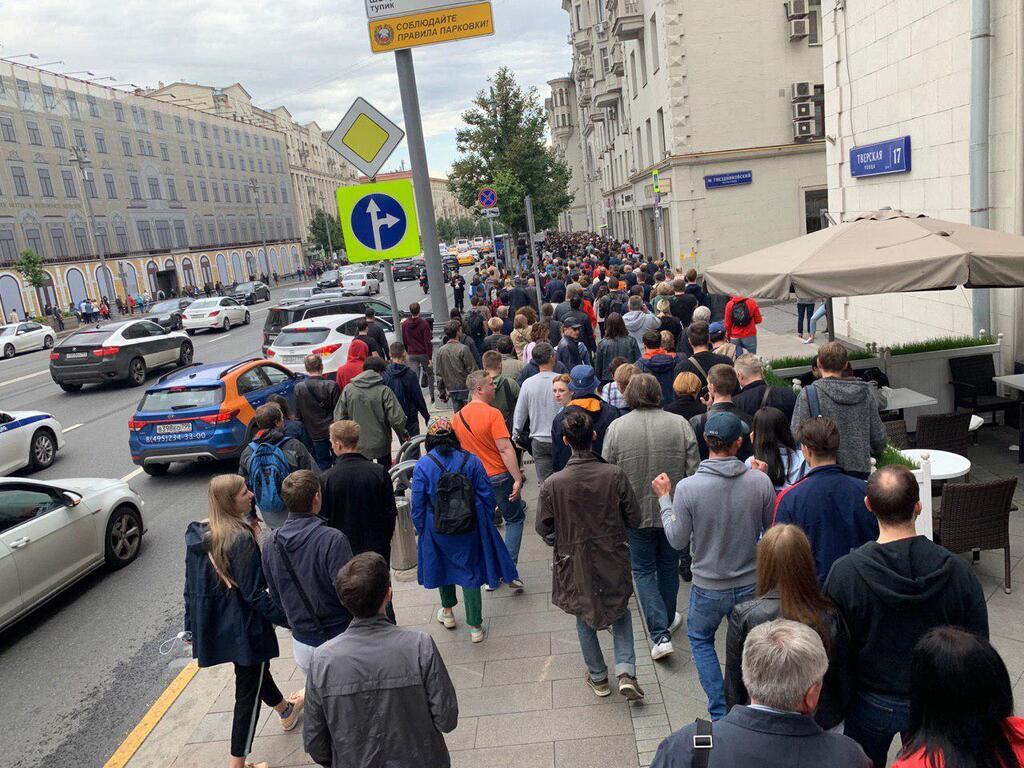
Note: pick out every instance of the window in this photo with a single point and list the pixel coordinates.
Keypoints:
(227, 193)
(265, 143)
(60, 243)
(35, 240)
(45, 185)
(20, 504)
(81, 241)
(142, 148)
(273, 194)
(192, 127)
(172, 192)
(238, 137)
(49, 100)
(191, 186)
(20, 182)
(288, 226)
(632, 71)
(222, 228)
(198, 225)
(234, 232)
(34, 136)
(58, 137)
(133, 182)
(164, 153)
(266, 198)
(101, 143)
(638, 152)
(247, 141)
(231, 162)
(184, 155)
(248, 194)
(650, 143)
(284, 194)
(94, 109)
(220, 159)
(135, 114)
(238, 194)
(814, 22)
(227, 136)
(108, 180)
(642, 51)
(250, 381)
(603, 56)
(202, 191)
(8, 248)
(90, 187)
(158, 121)
(145, 235)
(119, 112)
(216, 192)
(126, 146)
(655, 56)
(163, 234)
(178, 125)
(80, 139)
(260, 164)
(72, 104)
(25, 94)
(7, 129)
(180, 233)
(202, 131)
(69, 184)
(661, 133)
(101, 238)
(211, 232)
(252, 166)
(154, 189)
(216, 133)
(121, 233)
(198, 157)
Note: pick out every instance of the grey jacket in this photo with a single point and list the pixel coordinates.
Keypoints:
(724, 508)
(373, 406)
(379, 696)
(453, 362)
(646, 443)
(638, 322)
(853, 406)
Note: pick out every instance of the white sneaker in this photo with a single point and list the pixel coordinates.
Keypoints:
(448, 619)
(676, 623)
(662, 649)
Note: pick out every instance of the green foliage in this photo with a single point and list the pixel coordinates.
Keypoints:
(503, 145)
(795, 362)
(941, 343)
(30, 265)
(772, 379)
(318, 227)
(892, 455)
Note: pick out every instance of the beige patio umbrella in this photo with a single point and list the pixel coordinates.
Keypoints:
(887, 251)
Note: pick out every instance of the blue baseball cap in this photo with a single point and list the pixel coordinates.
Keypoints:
(582, 380)
(716, 327)
(724, 427)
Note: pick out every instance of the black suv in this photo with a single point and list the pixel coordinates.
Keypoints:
(290, 312)
(405, 269)
(329, 279)
(250, 293)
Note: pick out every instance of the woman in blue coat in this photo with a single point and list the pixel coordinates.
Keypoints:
(468, 559)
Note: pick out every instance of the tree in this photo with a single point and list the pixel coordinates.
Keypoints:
(446, 229)
(503, 145)
(30, 265)
(318, 232)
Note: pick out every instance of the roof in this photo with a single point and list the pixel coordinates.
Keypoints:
(323, 321)
(198, 375)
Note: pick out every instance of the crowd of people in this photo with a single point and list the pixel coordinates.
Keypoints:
(661, 455)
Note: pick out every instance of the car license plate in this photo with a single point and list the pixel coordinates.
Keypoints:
(173, 429)
(75, 355)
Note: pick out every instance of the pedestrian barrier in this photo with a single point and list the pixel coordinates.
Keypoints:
(403, 542)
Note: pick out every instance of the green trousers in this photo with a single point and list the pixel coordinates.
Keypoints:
(472, 599)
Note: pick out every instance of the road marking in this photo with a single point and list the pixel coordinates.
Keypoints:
(149, 721)
(130, 475)
(22, 378)
(68, 429)
(219, 338)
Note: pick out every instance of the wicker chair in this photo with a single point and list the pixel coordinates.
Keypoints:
(944, 432)
(976, 516)
(896, 431)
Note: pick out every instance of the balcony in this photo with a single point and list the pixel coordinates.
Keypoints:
(584, 94)
(597, 116)
(582, 42)
(628, 21)
(607, 94)
(617, 59)
(584, 66)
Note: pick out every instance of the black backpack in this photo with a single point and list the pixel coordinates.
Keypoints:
(475, 324)
(454, 500)
(740, 314)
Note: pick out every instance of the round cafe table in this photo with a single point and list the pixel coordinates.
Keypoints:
(944, 464)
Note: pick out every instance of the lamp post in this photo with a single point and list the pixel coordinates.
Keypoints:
(81, 161)
(254, 185)
(21, 56)
(327, 224)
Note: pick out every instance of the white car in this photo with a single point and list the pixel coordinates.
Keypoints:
(478, 242)
(28, 439)
(328, 336)
(217, 313)
(462, 245)
(54, 532)
(24, 337)
(359, 284)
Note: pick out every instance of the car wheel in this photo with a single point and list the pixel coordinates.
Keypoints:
(136, 372)
(8, 351)
(69, 387)
(186, 353)
(190, 331)
(247, 319)
(48, 342)
(124, 537)
(42, 450)
(156, 470)
(226, 325)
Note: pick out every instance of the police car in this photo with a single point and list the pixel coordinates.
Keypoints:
(28, 439)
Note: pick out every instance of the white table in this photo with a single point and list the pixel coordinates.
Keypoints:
(1015, 382)
(944, 465)
(899, 398)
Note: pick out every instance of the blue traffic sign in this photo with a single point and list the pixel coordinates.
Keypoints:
(378, 222)
(488, 197)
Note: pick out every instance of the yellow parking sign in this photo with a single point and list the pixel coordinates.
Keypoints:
(379, 221)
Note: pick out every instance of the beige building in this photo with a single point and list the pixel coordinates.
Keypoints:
(725, 102)
(170, 186)
(445, 203)
(563, 124)
(911, 77)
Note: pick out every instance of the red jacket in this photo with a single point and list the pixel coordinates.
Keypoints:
(1014, 731)
(357, 354)
(417, 337)
(750, 329)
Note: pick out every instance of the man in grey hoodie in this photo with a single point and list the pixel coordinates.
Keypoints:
(851, 404)
(721, 512)
(639, 320)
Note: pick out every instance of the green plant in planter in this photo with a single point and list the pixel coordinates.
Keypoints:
(941, 343)
(893, 455)
(795, 362)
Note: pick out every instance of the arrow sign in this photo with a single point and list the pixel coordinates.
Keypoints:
(379, 221)
(376, 223)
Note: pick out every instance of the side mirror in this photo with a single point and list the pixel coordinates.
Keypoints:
(71, 499)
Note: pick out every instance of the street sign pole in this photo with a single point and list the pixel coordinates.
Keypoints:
(490, 223)
(389, 281)
(421, 186)
(533, 251)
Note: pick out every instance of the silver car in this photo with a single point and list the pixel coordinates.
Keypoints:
(54, 532)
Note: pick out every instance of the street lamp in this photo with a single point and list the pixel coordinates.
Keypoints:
(21, 56)
(254, 185)
(120, 85)
(77, 72)
(100, 79)
(49, 63)
(82, 162)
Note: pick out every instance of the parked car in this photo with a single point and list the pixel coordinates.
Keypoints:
(167, 314)
(218, 313)
(25, 337)
(328, 336)
(360, 283)
(28, 439)
(54, 532)
(122, 351)
(404, 269)
(203, 412)
(250, 293)
(329, 279)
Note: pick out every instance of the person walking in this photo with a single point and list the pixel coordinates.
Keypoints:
(682, 303)
(645, 443)
(315, 400)
(755, 393)
(229, 614)
(376, 332)
(615, 342)
(374, 407)
(401, 380)
(535, 411)
(570, 350)
(583, 396)
(506, 390)
(419, 347)
(719, 513)
(399, 669)
(459, 291)
(775, 451)
(453, 362)
(301, 560)
(686, 401)
(721, 384)
(292, 425)
(511, 365)
(660, 363)
(585, 511)
(742, 316)
(702, 359)
(638, 320)
(358, 352)
(453, 513)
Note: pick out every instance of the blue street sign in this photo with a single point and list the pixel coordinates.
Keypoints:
(488, 198)
(378, 222)
(728, 179)
(891, 156)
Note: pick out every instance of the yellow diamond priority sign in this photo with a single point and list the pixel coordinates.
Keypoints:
(365, 137)
(379, 221)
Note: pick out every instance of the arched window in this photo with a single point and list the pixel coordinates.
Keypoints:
(222, 269)
(151, 270)
(204, 267)
(10, 297)
(76, 285)
(264, 264)
(236, 268)
(47, 294)
(105, 281)
(131, 277)
(188, 271)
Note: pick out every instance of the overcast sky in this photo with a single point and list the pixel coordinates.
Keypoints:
(312, 56)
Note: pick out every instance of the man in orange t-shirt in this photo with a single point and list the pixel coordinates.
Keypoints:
(481, 430)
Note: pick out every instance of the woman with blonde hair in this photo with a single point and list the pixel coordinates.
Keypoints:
(521, 335)
(231, 615)
(687, 402)
(560, 389)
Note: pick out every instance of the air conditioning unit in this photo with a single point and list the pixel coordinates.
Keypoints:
(599, 27)
(803, 129)
(796, 9)
(804, 90)
(798, 28)
(803, 110)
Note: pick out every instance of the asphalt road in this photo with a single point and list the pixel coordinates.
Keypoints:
(79, 673)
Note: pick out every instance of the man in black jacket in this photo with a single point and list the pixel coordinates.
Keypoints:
(702, 359)
(401, 379)
(376, 332)
(315, 398)
(892, 592)
(755, 394)
(682, 303)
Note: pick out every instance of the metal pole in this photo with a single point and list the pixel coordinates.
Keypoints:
(81, 161)
(981, 45)
(533, 251)
(657, 227)
(494, 247)
(327, 226)
(421, 185)
(255, 185)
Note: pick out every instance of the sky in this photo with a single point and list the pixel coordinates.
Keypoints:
(312, 56)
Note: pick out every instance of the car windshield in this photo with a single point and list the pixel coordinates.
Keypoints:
(279, 317)
(180, 398)
(245, 286)
(203, 303)
(163, 307)
(300, 337)
(87, 338)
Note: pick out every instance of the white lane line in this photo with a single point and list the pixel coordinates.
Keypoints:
(130, 475)
(22, 378)
(68, 429)
(219, 338)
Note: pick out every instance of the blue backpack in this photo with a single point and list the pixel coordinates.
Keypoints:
(268, 467)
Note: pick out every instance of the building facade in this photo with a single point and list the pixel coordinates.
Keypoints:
(563, 124)
(173, 190)
(446, 205)
(911, 77)
(724, 102)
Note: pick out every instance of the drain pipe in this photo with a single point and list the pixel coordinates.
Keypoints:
(981, 45)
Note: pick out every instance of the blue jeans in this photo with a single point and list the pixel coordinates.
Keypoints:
(511, 511)
(323, 454)
(708, 607)
(818, 314)
(874, 719)
(748, 343)
(625, 653)
(656, 574)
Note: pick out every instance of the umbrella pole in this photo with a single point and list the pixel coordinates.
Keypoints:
(829, 321)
